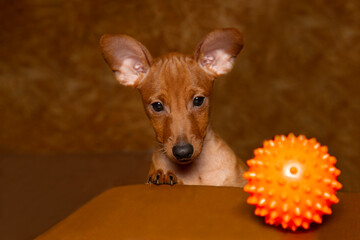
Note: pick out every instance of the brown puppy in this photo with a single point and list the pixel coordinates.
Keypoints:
(175, 90)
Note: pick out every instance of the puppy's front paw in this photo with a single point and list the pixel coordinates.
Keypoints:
(159, 178)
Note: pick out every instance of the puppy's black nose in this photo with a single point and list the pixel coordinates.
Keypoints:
(183, 151)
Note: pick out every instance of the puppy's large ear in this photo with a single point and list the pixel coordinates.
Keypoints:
(129, 59)
(217, 51)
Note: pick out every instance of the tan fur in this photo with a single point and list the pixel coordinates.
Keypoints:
(175, 80)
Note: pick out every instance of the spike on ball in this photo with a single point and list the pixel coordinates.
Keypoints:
(292, 181)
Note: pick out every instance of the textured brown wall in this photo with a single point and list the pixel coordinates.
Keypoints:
(299, 72)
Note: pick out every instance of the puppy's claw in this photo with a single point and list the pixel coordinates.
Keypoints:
(149, 179)
(171, 179)
(158, 178)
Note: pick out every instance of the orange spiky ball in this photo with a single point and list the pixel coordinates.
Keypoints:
(292, 181)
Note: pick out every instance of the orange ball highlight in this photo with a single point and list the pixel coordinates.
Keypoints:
(292, 181)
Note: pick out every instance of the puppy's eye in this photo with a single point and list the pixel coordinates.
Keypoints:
(198, 101)
(157, 106)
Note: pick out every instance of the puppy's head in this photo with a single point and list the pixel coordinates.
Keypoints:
(175, 88)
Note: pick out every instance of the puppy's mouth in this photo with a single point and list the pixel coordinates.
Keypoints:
(184, 161)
